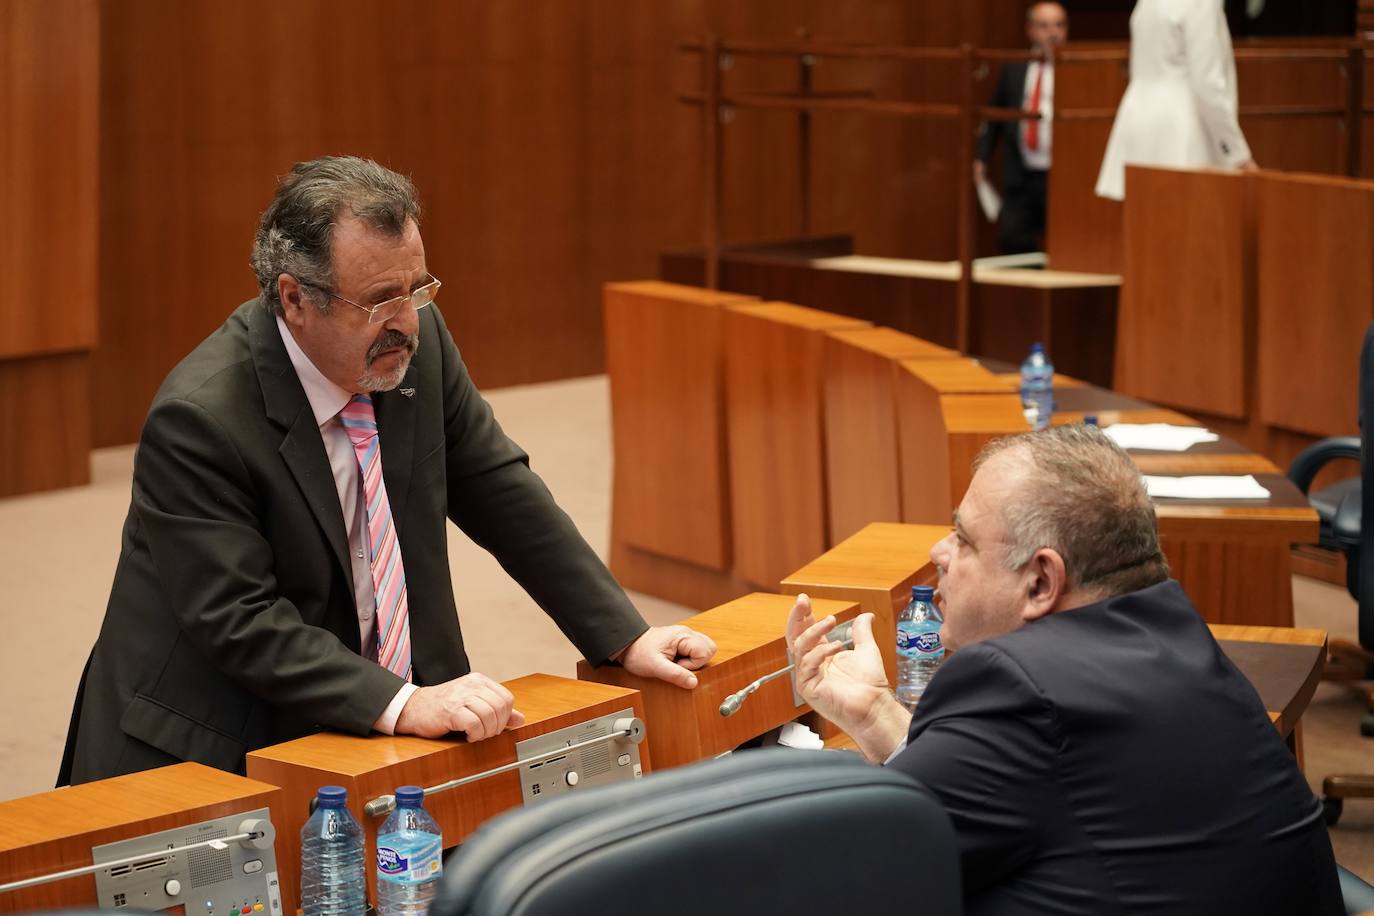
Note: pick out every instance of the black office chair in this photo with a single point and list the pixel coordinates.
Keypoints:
(774, 830)
(1340, 508)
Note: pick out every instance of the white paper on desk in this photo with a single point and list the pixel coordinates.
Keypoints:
(796, 735)
(1158, 437)
(988, 199)
(1206, 487)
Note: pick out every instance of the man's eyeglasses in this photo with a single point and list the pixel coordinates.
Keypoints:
(418, 298)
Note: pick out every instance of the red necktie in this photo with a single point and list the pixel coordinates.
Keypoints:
(1033, 127)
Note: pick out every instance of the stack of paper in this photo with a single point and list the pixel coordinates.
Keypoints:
(1159, 437)
(1204, 487)
(794, 734)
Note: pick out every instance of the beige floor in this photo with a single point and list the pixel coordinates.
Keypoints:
(59, 552)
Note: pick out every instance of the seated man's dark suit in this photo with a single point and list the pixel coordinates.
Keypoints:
(1111, 759)
(232, 622)
(1022, 221)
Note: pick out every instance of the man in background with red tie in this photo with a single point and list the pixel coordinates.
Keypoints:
(1029, 86)
(284, 564)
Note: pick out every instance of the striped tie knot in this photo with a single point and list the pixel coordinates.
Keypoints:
(359, 420)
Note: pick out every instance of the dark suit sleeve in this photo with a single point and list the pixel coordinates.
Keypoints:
(983, 741)
(990, 132)
(198, 509)
(501, 504)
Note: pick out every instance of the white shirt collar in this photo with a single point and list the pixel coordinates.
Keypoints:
(326, 398)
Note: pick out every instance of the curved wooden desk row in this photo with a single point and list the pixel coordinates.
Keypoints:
(749, 437)
(55, 831)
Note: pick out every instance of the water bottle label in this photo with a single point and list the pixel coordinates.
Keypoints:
(915, 641)
(409, 861)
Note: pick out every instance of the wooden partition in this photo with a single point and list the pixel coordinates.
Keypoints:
(55, 831)
(876, 569)
(665, 360)
(775, 414)
(1246, 302)
(947, 411)
(862, 457)
(374, 766)
(1188, 299)
(1316, 298)
(750, 637)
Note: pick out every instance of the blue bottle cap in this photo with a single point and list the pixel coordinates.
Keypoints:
(331, 797)
(1090, 420)
(1037, 347)
(409, 797)
(923, 593)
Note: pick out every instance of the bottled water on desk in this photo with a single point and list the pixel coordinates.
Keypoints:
(919, 649)
(1037, 387)
(410, 853)
(333, 879)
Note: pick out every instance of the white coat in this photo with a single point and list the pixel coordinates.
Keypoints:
(1180, 107)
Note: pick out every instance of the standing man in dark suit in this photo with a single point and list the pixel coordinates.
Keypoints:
(284, 565)
(1029, 86)
(1095, 749)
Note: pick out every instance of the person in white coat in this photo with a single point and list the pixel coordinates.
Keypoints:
(1180, 107)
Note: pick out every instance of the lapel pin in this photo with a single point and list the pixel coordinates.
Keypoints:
(408, 392)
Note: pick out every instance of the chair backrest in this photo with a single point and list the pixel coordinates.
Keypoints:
(1365, 581)
(775, 830)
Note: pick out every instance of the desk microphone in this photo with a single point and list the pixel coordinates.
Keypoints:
(841, 634)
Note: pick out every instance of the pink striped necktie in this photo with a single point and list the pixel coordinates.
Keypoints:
(388, 572)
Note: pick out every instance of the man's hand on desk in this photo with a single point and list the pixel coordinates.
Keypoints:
(473, 704)
(668, 653)
(847, 686)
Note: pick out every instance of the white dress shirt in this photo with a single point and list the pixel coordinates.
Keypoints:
(326, 400)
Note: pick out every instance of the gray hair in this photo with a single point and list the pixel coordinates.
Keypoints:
(297, 228)
(1084, 498)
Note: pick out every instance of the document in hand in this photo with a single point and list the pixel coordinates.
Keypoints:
(1205, 487)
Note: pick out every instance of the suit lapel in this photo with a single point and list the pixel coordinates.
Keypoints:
(301, 449)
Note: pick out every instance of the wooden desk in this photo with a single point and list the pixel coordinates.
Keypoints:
(1283, 663)
(750, 637)
(876, 569)
(55, 831)
(374, 766)
(1072, 313)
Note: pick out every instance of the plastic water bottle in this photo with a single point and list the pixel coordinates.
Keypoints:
(333, 876)
(1037, 387)
(919, 649)
(410, 852)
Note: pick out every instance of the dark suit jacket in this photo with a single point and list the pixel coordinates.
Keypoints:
(1111, 759)
(1010, 93)
(231, 624)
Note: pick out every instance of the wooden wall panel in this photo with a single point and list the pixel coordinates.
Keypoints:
(49, 71)
(45, 423)
(776, 447)
(1316, 298)
(1187, 299)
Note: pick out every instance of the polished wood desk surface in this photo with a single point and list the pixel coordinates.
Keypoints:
(892, 344)
(373, 766)
(750, 637)
(55, 831)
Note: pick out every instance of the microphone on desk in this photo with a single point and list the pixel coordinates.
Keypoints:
(732, 703)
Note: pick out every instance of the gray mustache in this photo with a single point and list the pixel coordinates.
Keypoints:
(390, 339)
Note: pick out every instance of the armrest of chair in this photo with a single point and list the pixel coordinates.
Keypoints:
(1317, 455)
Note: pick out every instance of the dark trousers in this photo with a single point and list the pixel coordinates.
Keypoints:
(1022, 224)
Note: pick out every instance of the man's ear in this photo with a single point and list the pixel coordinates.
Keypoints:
(1046, 582)
(292, 297)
